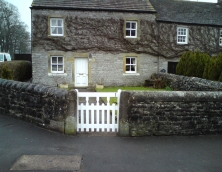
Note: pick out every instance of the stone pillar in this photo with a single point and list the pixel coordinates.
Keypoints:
(71, 119)
(123, 114)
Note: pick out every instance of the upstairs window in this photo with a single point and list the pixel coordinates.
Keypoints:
(56, 27)
(131, 29)
(131, 65)
(182, 35)
(57, 64)
(220, 39)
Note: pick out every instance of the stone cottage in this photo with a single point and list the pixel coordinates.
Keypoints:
(118, 43)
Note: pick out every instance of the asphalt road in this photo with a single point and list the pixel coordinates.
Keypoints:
(111, 153)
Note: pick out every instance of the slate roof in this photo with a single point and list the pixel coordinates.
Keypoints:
(188, 12)
(110, 5)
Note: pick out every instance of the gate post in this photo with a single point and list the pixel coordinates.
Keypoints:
(71, 118)
(123, 114)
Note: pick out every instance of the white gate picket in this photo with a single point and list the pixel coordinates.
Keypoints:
(97, 117)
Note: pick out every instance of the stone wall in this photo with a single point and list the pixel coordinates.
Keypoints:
(170, 113)
(142, 113)
(48, 107)
(183, 83)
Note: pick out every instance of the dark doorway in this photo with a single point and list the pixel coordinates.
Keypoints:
(172, 67)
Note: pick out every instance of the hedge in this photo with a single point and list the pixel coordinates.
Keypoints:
(16, 70)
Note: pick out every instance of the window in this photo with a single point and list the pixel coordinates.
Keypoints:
(182, 35)
(131, 29)
(220, 39)
(57, 64)
(56, 27)
(131, 65)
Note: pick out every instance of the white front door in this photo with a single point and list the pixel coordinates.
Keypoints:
(81, 72)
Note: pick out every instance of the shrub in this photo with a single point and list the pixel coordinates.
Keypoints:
(6, 73)
(213, 69)
(182, 65)
(192, 64)
(20, 70)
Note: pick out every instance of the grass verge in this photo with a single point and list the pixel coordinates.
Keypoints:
(115, 89)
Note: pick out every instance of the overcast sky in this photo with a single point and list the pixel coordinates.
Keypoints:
(24, 10)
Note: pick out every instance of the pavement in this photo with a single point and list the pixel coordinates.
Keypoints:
(105, 153)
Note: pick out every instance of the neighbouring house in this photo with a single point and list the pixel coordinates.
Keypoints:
(185, 25)
(118, 43)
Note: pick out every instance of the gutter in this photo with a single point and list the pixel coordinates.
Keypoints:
(183, 23)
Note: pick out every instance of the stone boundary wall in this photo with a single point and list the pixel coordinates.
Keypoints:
(142, 113)
(170, 113)
(184, 83)
(48, 107)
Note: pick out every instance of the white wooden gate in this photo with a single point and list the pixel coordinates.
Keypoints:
(94, 112)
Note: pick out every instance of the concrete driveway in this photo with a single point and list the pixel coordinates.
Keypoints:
(111, 153)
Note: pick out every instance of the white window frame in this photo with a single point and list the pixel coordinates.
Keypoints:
(182, 35)
(57, 64)
(131, 29)
(220, 38)
(131, 64)
(56, 27)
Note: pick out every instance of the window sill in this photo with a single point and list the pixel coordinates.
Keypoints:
(131, 74)
(56, 35)
(131, 37)
(180, 43)
(57, 74)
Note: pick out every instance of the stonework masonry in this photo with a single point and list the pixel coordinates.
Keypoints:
(48, 107)
(107, 65)
(141, 113)
(183, 83)
(104, 67)
(170, 113)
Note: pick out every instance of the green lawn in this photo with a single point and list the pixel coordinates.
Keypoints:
(115, 89)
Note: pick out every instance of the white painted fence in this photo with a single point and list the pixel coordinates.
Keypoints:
(96, 115)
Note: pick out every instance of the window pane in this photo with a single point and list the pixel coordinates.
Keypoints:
(59, 22)
(127, 24)
(181, 38)
(53, 22)
(127, 60)
(127, 68)
(54, 30)
(127, 32)
(54, 67)
(60, 60)
(60, 67)
(133, 33)
(133, 61)
(59, 30)
(133, 68)
(54, 59)
(183, 32)
(133, 25)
